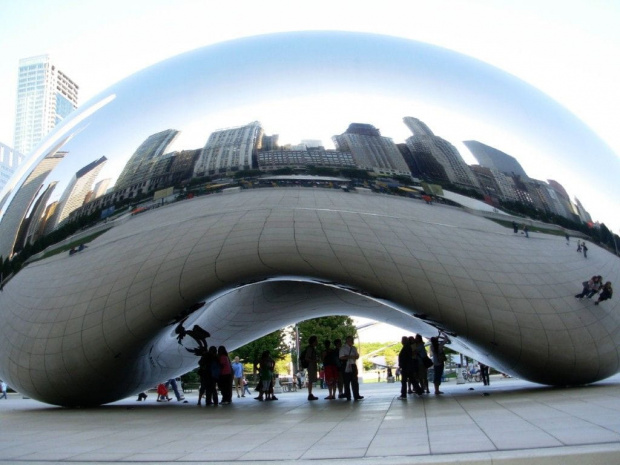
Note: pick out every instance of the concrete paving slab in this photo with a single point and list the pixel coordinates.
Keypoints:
(515, 423)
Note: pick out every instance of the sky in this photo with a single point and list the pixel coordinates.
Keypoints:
(567, 49)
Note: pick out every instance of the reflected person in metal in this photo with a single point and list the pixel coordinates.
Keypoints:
(98, 325)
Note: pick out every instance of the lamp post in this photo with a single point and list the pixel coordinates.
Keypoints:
(297, 344)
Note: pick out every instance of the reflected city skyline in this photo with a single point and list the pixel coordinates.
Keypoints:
(152, 167)
(92, 323)
(363, 84)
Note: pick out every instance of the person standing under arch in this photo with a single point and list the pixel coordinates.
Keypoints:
(312, 359)
(439, 358)
(349, 355)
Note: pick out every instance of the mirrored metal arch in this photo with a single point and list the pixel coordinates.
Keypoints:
(59, 324)
(100, 324)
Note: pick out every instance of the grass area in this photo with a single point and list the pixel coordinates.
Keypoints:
(70, 245)
(508, 224)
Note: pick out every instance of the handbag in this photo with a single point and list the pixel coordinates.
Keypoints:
(427, 362)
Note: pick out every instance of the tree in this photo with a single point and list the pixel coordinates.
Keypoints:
(326, 328)
(273, 342)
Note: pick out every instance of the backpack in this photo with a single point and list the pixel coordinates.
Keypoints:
(302, 358)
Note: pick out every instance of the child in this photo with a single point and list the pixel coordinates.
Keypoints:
(245, 387)
(162, 393)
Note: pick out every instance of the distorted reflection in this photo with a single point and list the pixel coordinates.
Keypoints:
(344, 111)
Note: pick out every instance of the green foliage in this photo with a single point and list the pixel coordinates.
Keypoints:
(199, 180)
(389, 350)
(284, 171)
(321, 171)
(355, 173)
(247, 174)
(273, 342)
(283, 366)
(191, 377)
(327, 327)
(406, 180)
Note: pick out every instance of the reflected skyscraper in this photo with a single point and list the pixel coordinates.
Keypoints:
(582, 212)
(100, 188)
(141, 162)
(101, 324)
(34, 226)
(436, 150)
(564, 199)
(371, 151)
(22, 202)
(302, 158)
(45, 96)
(490, 157)
(229, 149)
(75, 194)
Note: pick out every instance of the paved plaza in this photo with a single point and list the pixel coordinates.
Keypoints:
(510, 422)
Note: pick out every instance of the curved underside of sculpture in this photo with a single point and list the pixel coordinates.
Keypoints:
(100, 325)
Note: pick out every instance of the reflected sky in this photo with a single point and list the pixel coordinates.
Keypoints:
(312, 85)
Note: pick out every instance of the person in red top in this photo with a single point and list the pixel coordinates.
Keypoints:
(226, 375)
(162, 393)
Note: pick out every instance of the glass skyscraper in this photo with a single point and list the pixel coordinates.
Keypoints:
(45, 96)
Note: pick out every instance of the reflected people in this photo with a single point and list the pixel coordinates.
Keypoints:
(214, 190)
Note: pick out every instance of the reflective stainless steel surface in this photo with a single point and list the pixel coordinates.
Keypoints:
(96, 326)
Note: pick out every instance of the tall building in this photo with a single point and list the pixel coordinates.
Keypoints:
(489, 184)
(490, 157)
(318, 157)
(229, 150)
(545, 197)
(138, 168)
(75, 194)
(431, 150)
(9, 162)
(23, 200)
(582, 212)
(371, 151)
(45, 96)
(564, 199)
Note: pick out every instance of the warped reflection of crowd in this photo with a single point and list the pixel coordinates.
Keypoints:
(594, 286)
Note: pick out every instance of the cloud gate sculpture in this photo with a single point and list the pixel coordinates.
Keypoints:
(97, 325)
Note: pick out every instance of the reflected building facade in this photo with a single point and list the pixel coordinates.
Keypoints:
(303, 158)
(144, 158)
(22, 202)
(490, 157)
(76, 193)
(583, 213)
(101, 187)
(100, 324)
(564, 199)
(517, 186)
(371, 151)
(45, 97)
(433, 151)
(229, 150)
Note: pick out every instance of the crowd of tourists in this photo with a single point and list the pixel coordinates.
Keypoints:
(414, 363)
